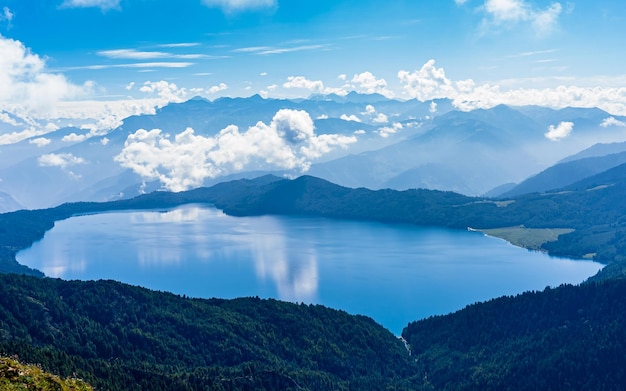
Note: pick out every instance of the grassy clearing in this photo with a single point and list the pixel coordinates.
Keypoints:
(530, 238)
(17, 377)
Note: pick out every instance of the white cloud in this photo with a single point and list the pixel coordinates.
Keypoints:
(130, 86)
(368, 83)
(4, 117)
(559, 132)
(166, 91)
(389, 130)
(431, 82)
(460, 2)
(303, 82)
(104, 141)
(62, 160)
(381, 119)
(288, 142)
(104, 5)
(433, 107)
(511, 12)
(6, 15)
(217, 88)
(74, 138)
(359, 131)
(133, 54)
(612, 121)
(428, 83)
(14, 137)
(239, 5)
(40, 141)
(350, 117)
(25, 87)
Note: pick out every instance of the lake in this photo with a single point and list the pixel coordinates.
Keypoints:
(393, 273)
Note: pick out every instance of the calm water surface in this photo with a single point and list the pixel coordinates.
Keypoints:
(393, 273)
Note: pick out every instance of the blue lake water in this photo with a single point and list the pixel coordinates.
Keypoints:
(393, 273)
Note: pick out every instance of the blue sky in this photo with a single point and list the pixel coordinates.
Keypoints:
(484, 51)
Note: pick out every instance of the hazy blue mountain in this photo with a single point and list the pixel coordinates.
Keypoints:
(8, 203)
(563, 174)
(595, 150)
(12, 154)
(469, 152)
(401, 144)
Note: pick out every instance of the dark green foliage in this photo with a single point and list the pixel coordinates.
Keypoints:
(565, 338)
(120, 337)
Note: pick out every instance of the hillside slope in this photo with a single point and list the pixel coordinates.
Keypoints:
(120, 337)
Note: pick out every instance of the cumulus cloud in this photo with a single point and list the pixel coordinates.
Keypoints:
(430, 82)
(62, 160)
(379, 118)
(40, 141)
(75, 138)
(511, 12)
(166, 91)
(217, 88)
(612, 121)
(288, 142)
(367, 83)
(313, 86)
(25, 87)
(303, 82)
(350, 117)
(104, 5)
(239, 5)
(386, 131)
(560, 131)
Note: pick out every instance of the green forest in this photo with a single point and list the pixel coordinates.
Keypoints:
(121, 337)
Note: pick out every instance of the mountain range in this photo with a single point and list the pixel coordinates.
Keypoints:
(356, 141)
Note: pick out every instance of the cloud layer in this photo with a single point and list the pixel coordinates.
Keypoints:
(288, 142)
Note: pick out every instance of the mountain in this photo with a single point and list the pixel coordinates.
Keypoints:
(597, 150)
(120, 337)
(392, 144)
(566, 173)
(564, 338)
(8, 203)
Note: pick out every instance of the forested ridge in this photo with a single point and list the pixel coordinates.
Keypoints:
(564, 338)
(120, 337)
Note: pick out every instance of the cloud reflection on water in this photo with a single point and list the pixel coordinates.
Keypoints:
(294, 273)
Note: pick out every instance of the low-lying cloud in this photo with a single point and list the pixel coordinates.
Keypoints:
(288, 142)
(560, 131)
(62, 160)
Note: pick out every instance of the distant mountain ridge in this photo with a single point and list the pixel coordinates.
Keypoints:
(566, 173)
(395, 144)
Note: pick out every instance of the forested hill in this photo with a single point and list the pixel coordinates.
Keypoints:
(565, 338)
(120, 337)
(593, 209)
